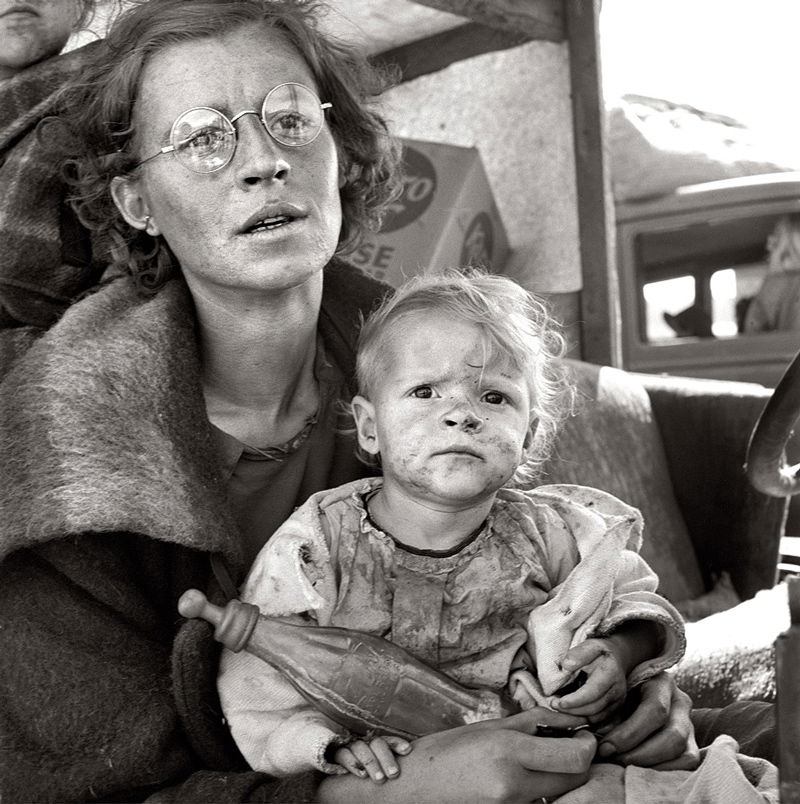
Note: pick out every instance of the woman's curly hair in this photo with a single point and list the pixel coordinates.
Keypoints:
(98, 141)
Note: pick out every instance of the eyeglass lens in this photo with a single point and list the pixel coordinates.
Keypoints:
(204, 139)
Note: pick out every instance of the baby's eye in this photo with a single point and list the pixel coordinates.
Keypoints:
(494, 398)
(422, 392)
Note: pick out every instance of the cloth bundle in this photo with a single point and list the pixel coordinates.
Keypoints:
(724, 777)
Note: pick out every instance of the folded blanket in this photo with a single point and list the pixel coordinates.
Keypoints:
(45, 256)
(723, 777)
(730, 656)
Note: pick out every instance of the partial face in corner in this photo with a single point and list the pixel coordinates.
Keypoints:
(33, 30)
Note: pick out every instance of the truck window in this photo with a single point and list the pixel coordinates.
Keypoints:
(696, 279)
(689, 265)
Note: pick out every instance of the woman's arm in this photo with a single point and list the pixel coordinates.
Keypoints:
(87, 698)
(496, 760)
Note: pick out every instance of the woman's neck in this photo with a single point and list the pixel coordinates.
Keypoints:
(258, 362)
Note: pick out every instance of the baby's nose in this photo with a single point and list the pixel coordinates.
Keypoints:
(465, 418)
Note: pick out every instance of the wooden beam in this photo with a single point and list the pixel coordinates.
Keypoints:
(537, 19)
(441, 50)
(601, 340)
(787, 651)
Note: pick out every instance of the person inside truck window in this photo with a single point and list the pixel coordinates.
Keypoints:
(691, 322)
(776, 306)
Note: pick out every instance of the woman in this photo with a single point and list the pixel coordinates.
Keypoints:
(161, 429)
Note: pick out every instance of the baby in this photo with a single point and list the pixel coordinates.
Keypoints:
(540, 593)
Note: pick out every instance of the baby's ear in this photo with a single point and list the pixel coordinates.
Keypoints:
(364, 415)
(527, 444)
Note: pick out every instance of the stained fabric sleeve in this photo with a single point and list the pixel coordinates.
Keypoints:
(608, 583)
(276, 729)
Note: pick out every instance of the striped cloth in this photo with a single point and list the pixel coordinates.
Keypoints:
(45, 256)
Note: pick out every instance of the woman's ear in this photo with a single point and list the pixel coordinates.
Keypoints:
(364, 415)
(132, 204)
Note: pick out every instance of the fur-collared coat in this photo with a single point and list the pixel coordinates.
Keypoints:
(111, 504)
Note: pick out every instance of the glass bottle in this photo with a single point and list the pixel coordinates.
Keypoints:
(361, 681)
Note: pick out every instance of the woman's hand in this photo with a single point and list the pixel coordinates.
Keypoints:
(495, 760)
(659, 733)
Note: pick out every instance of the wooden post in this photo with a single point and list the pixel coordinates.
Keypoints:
(600, 298)
(787, 656)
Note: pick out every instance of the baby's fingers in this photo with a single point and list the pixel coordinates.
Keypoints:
(603, 692)
(369, 759)
(398, 745)
(582, 654)
(384, 750)
(346, 758)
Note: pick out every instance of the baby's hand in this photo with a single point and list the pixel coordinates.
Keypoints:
(605, 687)
(374, 758)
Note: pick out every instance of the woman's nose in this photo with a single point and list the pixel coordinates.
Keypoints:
(258, 157)
(464, 418)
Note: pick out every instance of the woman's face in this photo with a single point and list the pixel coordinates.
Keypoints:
(267, 221)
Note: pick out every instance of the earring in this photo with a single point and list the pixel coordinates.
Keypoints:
(147, 222)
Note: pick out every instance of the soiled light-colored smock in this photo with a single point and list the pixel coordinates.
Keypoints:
(475, 613)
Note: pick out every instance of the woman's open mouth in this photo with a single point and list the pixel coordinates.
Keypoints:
(269, 223)
(271, 216)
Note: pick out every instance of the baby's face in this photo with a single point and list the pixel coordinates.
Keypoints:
(32, 30)
(451, 424)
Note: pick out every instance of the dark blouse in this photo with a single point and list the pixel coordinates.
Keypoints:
(265, 490)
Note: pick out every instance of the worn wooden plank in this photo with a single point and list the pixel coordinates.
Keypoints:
(601, 340)
(437, 52)
(537, 19)
(787, 656)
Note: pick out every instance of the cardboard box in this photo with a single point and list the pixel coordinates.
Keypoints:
(446, 218)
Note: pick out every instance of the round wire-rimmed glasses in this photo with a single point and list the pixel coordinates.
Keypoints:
(203, 139)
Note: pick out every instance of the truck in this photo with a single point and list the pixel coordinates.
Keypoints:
(689, 262)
